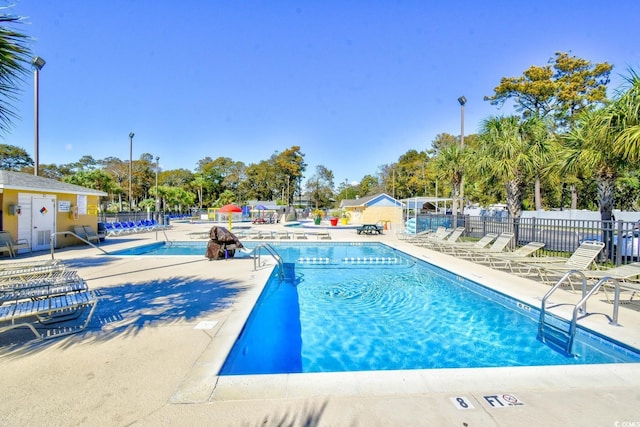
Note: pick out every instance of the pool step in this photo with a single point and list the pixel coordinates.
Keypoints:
(289, 271)
(555, 336)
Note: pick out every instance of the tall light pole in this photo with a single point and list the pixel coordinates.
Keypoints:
(131, 135)
(462, 100)
(37, 63)
(157, 198)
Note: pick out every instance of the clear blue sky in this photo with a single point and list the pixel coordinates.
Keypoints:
(354, 83)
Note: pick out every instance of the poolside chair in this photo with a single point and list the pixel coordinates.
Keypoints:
(300, 235)
(462, 246)
(505, 261)
(267, 234)
(13, 246)
(87, 233)
(92, 235)
(108, 227)
(283, 235)
(9, 278)
(627, 275)
(449, 241)
(5, 249)
(498, 246)
(20, 265)
(427, 239)
(581, 260)
(323, 235)
(403, 235)
(254, 234)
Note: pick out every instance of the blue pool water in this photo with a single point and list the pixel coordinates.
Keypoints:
(166, 248)
(369, 307)
(366, 306)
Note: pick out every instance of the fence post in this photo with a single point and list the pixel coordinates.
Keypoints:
(534, 222)
(619, 233)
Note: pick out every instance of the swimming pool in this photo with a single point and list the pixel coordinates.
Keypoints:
(366, 306)
(362, 307)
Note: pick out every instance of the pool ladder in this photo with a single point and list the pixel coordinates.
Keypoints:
(286, 270)
(552, 331)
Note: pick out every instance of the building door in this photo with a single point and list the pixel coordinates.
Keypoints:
(43, 222)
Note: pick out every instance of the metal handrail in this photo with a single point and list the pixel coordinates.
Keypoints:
(271, 252)
(580, 306)
(64, 233)
(583, 301)
(166, 239)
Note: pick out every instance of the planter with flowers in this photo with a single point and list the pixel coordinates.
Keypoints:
(317, 216)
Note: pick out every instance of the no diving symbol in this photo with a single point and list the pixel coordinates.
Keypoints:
(510, 398)
(502, 400)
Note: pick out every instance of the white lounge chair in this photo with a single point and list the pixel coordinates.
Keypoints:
(505, 261)
(581, 260)
(627, 275)
(464, 246)
(428, 239)
(449, 241)
(498, 246)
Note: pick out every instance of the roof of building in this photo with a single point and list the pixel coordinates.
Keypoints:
(426, 202)
(367, 201)
(23, 181)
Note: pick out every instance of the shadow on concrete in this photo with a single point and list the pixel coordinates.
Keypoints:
(128, 308)
(307, 417)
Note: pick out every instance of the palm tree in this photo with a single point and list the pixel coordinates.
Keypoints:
(505, 154)
(542, 148)
(625, 115)
(14, 58)
(606, 141)
(449, 164)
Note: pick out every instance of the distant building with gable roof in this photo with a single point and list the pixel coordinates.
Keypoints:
(34, 208)
(379, 208)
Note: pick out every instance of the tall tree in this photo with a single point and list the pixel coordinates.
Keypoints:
(14, 158)
(449, 164)
(290, 167)
(561, 89)
(504, 153)
(542, 149)
(320, 187)
(368, 185)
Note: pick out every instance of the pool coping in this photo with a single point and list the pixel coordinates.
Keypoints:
(204, 386)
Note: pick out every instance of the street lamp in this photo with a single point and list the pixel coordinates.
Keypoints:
(131, 135)
(37, 63)
(157, 199)
(462, 100)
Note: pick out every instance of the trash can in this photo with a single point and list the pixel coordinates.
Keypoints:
(167, 220)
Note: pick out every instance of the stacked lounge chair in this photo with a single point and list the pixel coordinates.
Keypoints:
(44, 297)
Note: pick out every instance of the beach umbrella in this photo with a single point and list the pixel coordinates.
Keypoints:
(230, 209)
(260, 208)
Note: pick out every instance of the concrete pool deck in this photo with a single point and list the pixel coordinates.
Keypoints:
(164, 324)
